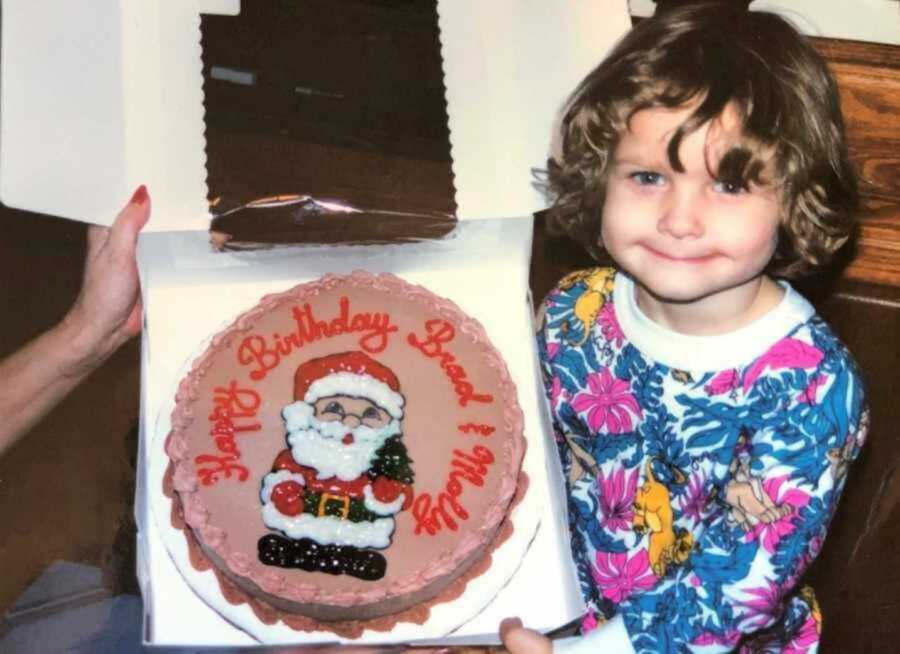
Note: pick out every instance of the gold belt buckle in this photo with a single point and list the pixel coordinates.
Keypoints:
(343, 499)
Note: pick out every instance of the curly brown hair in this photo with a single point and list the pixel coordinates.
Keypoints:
(715, 54)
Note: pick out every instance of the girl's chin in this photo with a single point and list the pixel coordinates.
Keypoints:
(675, 293)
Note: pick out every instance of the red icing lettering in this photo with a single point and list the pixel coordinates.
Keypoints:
(474, 474)
(431, 516)
(284, 347)
(253, 350)
(265, 354)
(473, 428)
(227, 445)
(233, 409)
(221, 464)
(438, 333)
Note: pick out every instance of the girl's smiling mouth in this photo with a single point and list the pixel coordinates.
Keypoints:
(705, 258)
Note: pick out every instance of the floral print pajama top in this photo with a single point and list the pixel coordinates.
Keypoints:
(702, 472)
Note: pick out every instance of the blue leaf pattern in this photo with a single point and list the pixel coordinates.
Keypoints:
(763, 458)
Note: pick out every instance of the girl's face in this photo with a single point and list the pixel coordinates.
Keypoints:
(695, 245)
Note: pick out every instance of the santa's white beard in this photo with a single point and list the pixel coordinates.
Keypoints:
(321, 448)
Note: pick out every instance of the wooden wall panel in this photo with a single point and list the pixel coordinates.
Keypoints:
(869, 77)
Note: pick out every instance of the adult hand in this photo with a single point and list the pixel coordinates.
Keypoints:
(106, 314)
(108, 310)
(519, 640)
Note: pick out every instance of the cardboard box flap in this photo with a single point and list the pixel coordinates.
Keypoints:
(509, 66)
(98, 98)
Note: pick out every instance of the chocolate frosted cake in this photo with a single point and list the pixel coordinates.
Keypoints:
(346, 453)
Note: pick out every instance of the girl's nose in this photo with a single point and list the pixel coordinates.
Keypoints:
(682, 215)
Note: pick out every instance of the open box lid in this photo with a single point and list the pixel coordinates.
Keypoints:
(100, 97)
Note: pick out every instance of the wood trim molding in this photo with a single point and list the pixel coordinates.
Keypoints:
(869, 77)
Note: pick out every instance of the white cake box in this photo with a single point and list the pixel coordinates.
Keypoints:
(100, 97)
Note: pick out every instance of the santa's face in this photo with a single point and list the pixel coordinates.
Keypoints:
(351, 411)
(338, 435)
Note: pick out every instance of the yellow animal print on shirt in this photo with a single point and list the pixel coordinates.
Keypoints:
(809, 595)
(599, 282)
(653, 513)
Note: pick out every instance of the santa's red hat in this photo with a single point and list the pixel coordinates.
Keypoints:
(349, 373)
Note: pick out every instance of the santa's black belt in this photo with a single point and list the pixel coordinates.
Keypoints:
(322, 504)
(343, 500)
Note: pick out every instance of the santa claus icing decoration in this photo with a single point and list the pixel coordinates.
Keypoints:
(332, 495)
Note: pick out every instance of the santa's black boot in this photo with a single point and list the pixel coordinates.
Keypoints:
(306, 554)
(362, 564)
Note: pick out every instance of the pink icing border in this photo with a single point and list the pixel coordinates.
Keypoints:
(267, 614)
(185, 481)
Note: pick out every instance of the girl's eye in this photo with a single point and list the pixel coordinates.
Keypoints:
(648, 178)
(371, 413)
(334, 407)
(730, 187)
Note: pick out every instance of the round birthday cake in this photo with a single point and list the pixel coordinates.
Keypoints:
(346, 452)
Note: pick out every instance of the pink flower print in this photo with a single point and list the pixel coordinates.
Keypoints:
(806, 639)
(559, 436)
(589, 622)
(557, 392)
(763, 603)
(609, 324)
(772, 533)
(619, 577)
(708, 638)
(616, 499)
(815, 546)
(808, 395)
(552, 350)
(694, 500)
(786, 353)
(808, 556)
(724, 382)
(608, 403)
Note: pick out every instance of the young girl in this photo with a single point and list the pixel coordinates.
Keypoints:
(705, 414)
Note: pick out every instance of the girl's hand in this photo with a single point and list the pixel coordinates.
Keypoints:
(108, 309)
(519, 640)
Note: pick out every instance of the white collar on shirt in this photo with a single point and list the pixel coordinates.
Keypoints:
(706, 353)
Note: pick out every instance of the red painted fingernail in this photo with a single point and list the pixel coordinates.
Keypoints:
(140, 196)
(508, 624)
